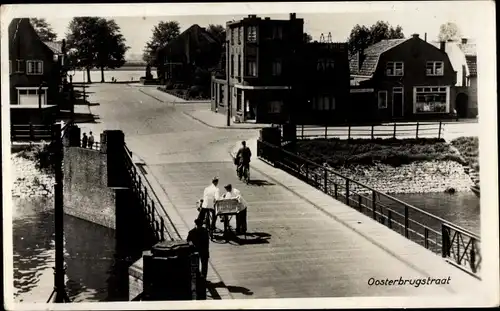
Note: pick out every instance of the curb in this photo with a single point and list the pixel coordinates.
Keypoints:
(231, 127)
(332, 216)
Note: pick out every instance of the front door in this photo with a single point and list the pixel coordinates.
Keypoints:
(397, 102)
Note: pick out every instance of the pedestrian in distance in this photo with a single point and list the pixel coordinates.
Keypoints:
(201, 241)
(84, 140)
(91, 140)
(242, 159)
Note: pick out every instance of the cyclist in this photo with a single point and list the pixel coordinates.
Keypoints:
(243, 159)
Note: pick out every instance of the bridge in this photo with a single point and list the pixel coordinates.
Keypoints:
(305, 238)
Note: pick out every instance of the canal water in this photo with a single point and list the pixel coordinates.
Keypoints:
(92, 272)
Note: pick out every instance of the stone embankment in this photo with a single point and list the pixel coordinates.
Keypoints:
(417, 177)
(28, 181)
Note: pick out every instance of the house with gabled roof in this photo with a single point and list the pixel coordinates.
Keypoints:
(35, 74)
(401, 79)
(462, 54)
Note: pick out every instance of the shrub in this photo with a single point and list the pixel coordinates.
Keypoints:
(41, 155)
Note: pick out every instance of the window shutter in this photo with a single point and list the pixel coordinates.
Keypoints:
(40, 67)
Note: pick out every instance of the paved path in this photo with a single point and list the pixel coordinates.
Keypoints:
(303, 243)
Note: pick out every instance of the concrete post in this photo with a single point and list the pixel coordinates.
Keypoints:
(116, 159)
(171, 272)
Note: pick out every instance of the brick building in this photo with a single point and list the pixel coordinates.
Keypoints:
(402, 79)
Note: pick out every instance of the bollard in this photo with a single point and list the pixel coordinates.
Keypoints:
(171, 272)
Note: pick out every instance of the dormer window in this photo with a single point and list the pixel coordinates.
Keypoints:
(394, 69)
(252, 34)
(434, 68)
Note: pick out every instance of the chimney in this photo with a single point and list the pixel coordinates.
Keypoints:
(292, 16)
(415, 35)
(464, 40)
(425, 37)
(442, 46)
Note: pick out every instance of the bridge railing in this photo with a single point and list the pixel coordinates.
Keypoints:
(394, 130)
(163, 227)
(455, 244)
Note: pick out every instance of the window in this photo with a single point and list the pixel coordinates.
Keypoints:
(382, 99)
(278, 32)
(34, 67)
(275, 106)
(395, 69)
(431, 99)
(252, 34)
(323, 103)
(277, 68)
(434, 68)
(232, 36)
(232, 65)
(221, 98)
(19, 65)
(239, 35)
(239, 65)
(251, 68)
(324, 64)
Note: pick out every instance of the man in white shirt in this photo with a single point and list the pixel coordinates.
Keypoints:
(210, 195)
(241, 217)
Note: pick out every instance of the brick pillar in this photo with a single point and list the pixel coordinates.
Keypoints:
(171, 272)
(118, 176)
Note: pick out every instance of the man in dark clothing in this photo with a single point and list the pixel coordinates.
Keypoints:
(200, 239)
(243, 158)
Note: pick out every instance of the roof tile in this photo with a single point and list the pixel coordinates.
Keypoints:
(372, 55)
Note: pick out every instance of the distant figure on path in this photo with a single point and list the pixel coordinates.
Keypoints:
(243, 158)
(91, 140)
(84, 140)
(200, 239)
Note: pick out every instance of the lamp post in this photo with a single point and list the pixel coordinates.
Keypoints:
(228, 74)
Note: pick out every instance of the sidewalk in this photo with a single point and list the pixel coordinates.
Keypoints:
(414, 255)
(219, 120)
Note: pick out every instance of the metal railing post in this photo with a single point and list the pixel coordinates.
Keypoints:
(349, 133)
(31, 132)
(372, 131)
(439, 131)
(473, 266)
(394, 135)
(325, 175)
(426, 237)
(374, 204)
(302, 133)
(445, 241)
(389, 218)
(406, 221)
(347, 191)
(326, 132)
(417, 132)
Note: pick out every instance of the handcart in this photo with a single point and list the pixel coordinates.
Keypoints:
(225, 209)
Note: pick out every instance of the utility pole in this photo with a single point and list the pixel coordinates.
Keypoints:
(59, 270)
(228, 74)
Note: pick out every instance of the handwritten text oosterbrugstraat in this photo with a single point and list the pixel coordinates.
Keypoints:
(412, 282)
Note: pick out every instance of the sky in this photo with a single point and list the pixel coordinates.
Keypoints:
(338, 18)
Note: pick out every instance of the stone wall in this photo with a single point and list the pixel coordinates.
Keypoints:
(86, 192)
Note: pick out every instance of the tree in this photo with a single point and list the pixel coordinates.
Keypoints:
(43, 29)
(218, 32)
(361, 36)
(307, 38)
(163, 33)
(449, 31)
(80, 41)
(110, 46)
(95, 42)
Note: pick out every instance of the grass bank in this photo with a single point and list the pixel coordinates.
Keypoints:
(393, 152)
(469, 149)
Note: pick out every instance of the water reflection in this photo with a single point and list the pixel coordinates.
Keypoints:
(92, 271)
(461, 208)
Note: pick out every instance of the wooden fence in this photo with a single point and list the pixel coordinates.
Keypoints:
(30, 132)
(393, 130)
